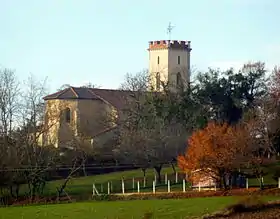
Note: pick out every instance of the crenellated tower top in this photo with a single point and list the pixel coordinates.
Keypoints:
(170, 44)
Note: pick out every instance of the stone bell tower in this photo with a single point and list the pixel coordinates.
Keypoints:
(169, 64)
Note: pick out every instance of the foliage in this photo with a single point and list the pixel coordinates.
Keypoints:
(217, 149)
(227, 95)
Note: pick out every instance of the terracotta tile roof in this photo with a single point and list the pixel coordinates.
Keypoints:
(116, 98)
(72, 93)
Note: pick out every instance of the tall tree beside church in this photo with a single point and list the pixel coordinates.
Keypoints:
(149, 134)
(227, 95)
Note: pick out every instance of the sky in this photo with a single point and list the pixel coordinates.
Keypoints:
(80, 41)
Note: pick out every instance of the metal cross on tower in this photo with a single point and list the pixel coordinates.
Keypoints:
(169, 30)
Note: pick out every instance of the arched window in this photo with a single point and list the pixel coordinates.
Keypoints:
(179, 79)
(67, 115)
(158, 81)
(158, 60)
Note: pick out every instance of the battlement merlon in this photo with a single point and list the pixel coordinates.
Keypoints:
(170, 44)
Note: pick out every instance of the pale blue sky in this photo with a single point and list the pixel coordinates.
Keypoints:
(99, 41)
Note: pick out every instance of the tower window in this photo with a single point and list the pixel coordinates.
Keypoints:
(67, 115)
(179, 60)
(158, 81)
(179, 79)
(158, 60)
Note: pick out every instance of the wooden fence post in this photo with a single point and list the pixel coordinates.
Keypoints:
(138, 187)
(168, 186)
(108, 188)
(122, 186)
(144, 182)
(133, 183)
(184, 185)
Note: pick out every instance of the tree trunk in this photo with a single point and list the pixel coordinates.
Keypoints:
(144, 172)
(84, 170)
(224, 183)
(158, 170)
(261, 182)
(173, 167)
(11, 191)
(17, 190)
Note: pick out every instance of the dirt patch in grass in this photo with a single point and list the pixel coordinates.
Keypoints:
(250, 207)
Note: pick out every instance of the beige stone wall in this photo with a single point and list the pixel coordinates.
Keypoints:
(93, 116)
(174, 67)
(58, 130)
(88, 117)
(162, 67)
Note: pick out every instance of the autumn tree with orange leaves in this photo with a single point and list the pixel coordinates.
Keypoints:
(216, 150)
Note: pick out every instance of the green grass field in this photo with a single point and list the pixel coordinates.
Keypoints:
(123, 209)
(83, 185)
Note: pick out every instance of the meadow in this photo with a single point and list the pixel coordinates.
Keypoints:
(171, 208)
(182, 208)
(83, 185)
(120, 209)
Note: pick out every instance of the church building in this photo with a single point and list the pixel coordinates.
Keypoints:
(91, 114)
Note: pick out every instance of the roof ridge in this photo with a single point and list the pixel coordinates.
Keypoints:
(63, 91)
(58, 93)
(101, 98)
(106, 89)
(73, 89)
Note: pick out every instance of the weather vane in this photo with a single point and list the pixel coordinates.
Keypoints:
(169, 30)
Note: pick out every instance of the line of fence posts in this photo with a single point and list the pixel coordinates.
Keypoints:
(109, 187)
(134, 183)
(167, 182)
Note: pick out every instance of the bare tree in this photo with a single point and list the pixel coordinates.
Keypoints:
(37, 160)
(261, 122)
(74, 156)
(9, 100)
(138, 82)
(90, 85)
(9, 93)
(149, 133)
